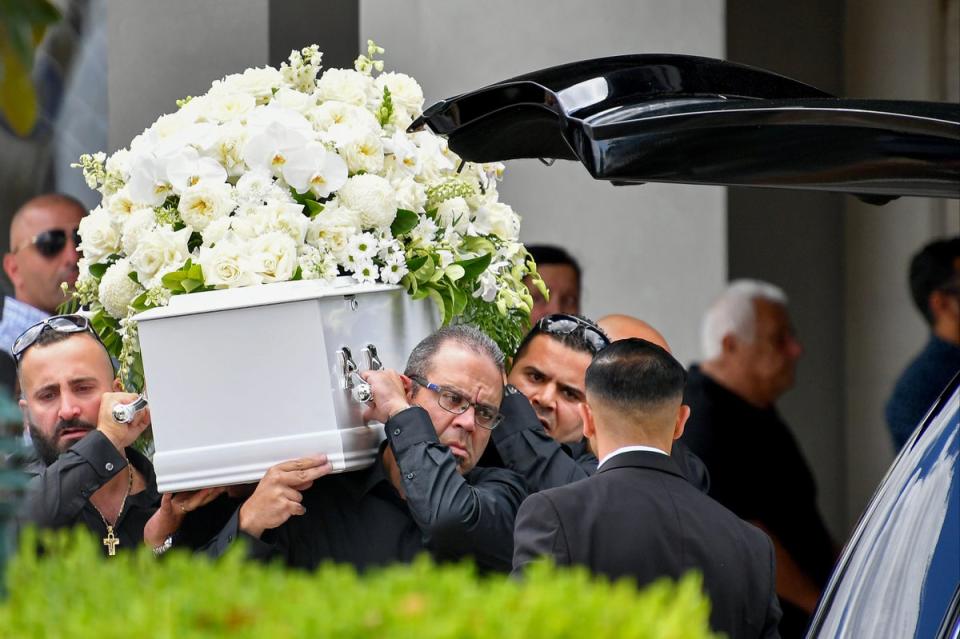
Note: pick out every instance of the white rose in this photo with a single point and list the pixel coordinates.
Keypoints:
(117, 290)
(98, 236)
(204, 203)
(121, 204)
(345, 85)
(372, 198)
(216, 230)
(291, 99)
(410, 194)
(227, 265)
(229, 106)
(362, 150)
(136, 225)
(160, 252)
(405, 93)
(257, 82)
(287, 218)
(332, 229)
(274, 256)
(499, 219)
(454, 214)
(334, 112)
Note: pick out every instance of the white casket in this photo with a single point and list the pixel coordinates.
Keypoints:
(241, 379)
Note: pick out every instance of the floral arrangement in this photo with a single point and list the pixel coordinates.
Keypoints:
(287, 174)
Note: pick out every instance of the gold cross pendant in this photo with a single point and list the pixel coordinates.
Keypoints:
(111, 542)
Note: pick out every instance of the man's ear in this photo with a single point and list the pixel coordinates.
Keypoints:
(117, 385)
(729, 343)
(682, 416)
(409, 387)
(11, 268)
(589, 424)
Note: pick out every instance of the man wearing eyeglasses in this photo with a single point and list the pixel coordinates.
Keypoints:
(424, 492)
(43, 254)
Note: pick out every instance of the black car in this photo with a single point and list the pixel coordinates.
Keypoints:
(694, 120)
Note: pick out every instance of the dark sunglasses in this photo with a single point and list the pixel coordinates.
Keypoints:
(51, 243)
(563, 324)
(58, 323)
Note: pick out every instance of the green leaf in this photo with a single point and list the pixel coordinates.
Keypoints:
(195, 241)
(405, 222)
(475, 267)
(297, 275)
(454, 272)
(414, 263)
(97, 270)
(314, 208)
(133, 276)
(190, 285)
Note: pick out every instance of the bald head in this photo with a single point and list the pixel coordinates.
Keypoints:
(619, 327)
(43, 253)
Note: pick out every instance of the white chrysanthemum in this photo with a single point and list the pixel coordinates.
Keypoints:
(258, 186)
(373, 199)
(345, 85)
(99, 237)
(224, 107)
(394, 269)
(160, 252)
(405, 93)
(227, 265)
(204, 203)
(257, 82)
(362, 248)
(424, 233)
(498, 219)
(117, 290)
(139, 223)
(365, 272)
(274, 256)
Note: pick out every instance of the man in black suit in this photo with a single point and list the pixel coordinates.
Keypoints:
(638, 517)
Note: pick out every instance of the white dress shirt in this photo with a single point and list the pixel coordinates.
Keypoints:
(630, 449)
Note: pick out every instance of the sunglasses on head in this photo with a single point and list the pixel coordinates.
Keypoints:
(58, 323)
(563, 324)
(51, 243)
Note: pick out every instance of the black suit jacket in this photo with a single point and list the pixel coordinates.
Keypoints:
(638, 517)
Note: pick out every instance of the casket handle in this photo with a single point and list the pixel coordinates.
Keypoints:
(350, 378)
(373, 359)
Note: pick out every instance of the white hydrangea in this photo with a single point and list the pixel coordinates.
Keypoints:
(372, 197)
(99, 237)
(216, 230)
(257, 82)
(317, 265)
(498, 219)
(117, 289)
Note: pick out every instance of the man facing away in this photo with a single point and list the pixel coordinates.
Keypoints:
(935, 287)
(424, 492)
(638, 516)
(756, 467)
(43, 254)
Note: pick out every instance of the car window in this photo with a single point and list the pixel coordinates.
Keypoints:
(898, 575)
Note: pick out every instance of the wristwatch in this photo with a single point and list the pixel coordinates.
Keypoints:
(164, 547)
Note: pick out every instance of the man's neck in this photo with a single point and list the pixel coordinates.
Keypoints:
(734, 383)
(948, 331)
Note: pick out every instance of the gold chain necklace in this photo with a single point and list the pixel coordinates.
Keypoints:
(111, 541)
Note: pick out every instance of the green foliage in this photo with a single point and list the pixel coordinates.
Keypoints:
(73, 591)
(187, 279)
(385, 112)
(507, 330)
(22, 25)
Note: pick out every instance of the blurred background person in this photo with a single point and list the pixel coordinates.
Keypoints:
(561, 273)
(935, 288)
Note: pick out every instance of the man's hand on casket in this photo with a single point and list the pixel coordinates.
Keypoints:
(277, 497)
(389, 394)
(173, 508)
(121, 435)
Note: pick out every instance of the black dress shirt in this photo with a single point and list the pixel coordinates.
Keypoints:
(59, 496)
(361, 519)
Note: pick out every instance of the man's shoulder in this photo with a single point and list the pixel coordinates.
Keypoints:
(482, 476)
(17, 317)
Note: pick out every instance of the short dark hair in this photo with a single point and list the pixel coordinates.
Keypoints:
(635, 374)
(551, 254)
(931, 269)
(574, 340)
(421, 357)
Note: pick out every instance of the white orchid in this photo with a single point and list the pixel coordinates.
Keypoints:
(315, 169)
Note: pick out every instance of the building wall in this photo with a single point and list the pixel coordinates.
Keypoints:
(657, 251)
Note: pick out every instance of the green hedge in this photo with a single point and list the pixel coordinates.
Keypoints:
(73, 591)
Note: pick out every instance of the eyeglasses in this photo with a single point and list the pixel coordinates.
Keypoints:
(454, 402)
(563, 324)
(50, 243)
(58, 323)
